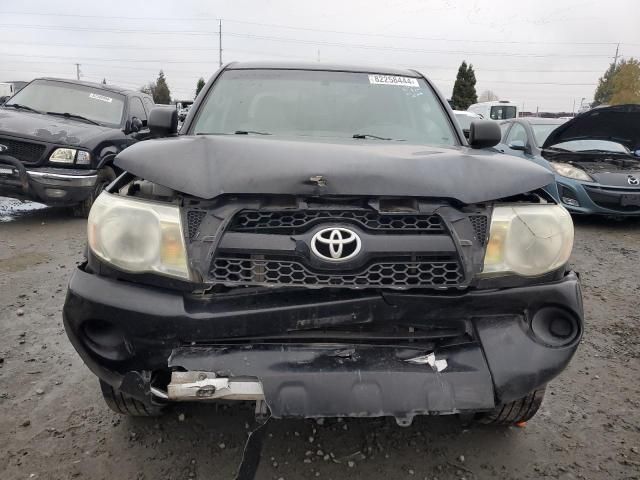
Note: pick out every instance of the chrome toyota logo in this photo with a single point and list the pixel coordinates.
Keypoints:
(633, 180)
(335, 244)
(3, 148)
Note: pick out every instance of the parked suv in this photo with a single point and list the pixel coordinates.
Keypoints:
(58, 139)
(324, 241)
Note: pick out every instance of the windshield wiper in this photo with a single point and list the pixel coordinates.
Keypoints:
(73, 115)
(250, 132)
(19, 106)
(368, 135)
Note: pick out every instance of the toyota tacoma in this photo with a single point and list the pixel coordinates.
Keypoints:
(324, 241)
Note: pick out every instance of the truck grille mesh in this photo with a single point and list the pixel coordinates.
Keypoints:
(411, 274)
(24, 151)
(480, 224)
(194, 219)
(300, 220)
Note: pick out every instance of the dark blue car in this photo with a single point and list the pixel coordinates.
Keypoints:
(595, 157)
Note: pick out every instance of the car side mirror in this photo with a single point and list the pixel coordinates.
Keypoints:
(135, 125)
(517, 145)
(163, 121)
(484, 134)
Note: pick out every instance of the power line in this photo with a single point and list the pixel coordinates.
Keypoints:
(311, 29)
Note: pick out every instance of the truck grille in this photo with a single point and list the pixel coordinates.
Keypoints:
(27, 152)
(409, 274)
(283, 221)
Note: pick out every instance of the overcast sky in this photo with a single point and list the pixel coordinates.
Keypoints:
(540, 53)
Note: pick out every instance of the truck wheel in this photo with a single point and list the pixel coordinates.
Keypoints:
(520, 410)
(124, 404)
(106, 175)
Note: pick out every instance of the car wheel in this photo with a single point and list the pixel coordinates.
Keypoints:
(124, 404)
(106, 175)
(518, 411)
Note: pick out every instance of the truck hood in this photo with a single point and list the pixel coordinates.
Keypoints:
(212, 165)
(47, 128)
(619, 123)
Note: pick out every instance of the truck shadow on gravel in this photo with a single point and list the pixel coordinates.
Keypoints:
(207, 441)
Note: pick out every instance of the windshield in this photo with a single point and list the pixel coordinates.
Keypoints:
(502, 112)
(586, 145)
(325, 104)
(542, 130)
(98, 105)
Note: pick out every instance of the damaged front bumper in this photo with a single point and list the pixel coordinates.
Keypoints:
(320, 353)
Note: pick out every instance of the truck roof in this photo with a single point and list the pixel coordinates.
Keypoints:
(101, 86)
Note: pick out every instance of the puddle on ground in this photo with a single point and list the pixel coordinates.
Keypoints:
(11, 209)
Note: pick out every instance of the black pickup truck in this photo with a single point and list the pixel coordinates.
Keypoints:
(58, 139)
(324, 241)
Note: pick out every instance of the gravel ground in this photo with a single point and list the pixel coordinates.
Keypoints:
(53, 423)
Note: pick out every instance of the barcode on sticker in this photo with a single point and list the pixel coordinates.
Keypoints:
(393, 80)
(102, 98)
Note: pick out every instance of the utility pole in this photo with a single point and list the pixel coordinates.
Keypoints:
(220, 42)
(78, 71)
(615, 59)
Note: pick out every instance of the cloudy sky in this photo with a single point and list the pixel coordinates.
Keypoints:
(542, 54)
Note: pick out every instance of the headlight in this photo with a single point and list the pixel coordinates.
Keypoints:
(569, 171)
(528, 240)
(69, 155)
(138, 236)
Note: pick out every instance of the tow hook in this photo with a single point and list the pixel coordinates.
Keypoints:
(189, 386)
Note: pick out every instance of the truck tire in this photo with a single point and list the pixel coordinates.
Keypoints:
(106, 175)
(518, 411)
(124, 404)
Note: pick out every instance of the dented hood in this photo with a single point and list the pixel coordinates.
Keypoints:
(212, 165)
(48, 128)
(620, 124)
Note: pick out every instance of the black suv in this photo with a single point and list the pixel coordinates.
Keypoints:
(324, 241)
(58, 139)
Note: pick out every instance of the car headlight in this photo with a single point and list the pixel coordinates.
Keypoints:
(528, 240)
(138, 236)
(569, 171)
(69, 156)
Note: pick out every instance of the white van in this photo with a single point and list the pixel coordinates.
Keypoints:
(498, 110)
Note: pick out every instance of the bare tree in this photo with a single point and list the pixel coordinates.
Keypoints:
(488, 96)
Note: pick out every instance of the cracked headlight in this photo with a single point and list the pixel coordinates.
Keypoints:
(138, 236)
(569, 171)
(528, 240)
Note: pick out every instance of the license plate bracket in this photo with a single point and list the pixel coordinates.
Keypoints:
(6, 171)
(630, 200)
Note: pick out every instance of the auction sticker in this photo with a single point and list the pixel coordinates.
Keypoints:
(393, 80)
(102, 98)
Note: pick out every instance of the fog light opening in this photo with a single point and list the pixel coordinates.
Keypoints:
(568, 197)
(555, 326)
(55, 192)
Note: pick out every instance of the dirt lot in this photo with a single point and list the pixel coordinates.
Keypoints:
(53, 423)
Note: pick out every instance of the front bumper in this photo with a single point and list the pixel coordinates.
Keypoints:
(596, 199)
(52, 186)
(129, 334)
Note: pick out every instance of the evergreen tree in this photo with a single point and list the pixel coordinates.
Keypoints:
(464, 89)
(199, 85)
(161, 92)
(625, 83)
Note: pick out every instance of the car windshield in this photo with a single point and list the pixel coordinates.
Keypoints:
(502, 112)
(592, 145)
(97, 105)
(358, 106)
(542, 130)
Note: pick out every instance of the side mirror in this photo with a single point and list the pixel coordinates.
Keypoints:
(163, 121)
(136, 125)
(517, 145)
(484, 134)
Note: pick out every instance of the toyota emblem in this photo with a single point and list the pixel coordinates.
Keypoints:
(335, 244)
(3, 148)
(633, 180)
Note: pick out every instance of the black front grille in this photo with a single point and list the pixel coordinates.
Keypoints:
(385, 274)
(296, 221)
(24, 151)
(612, 198)
(480, 227)
(194, 219)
